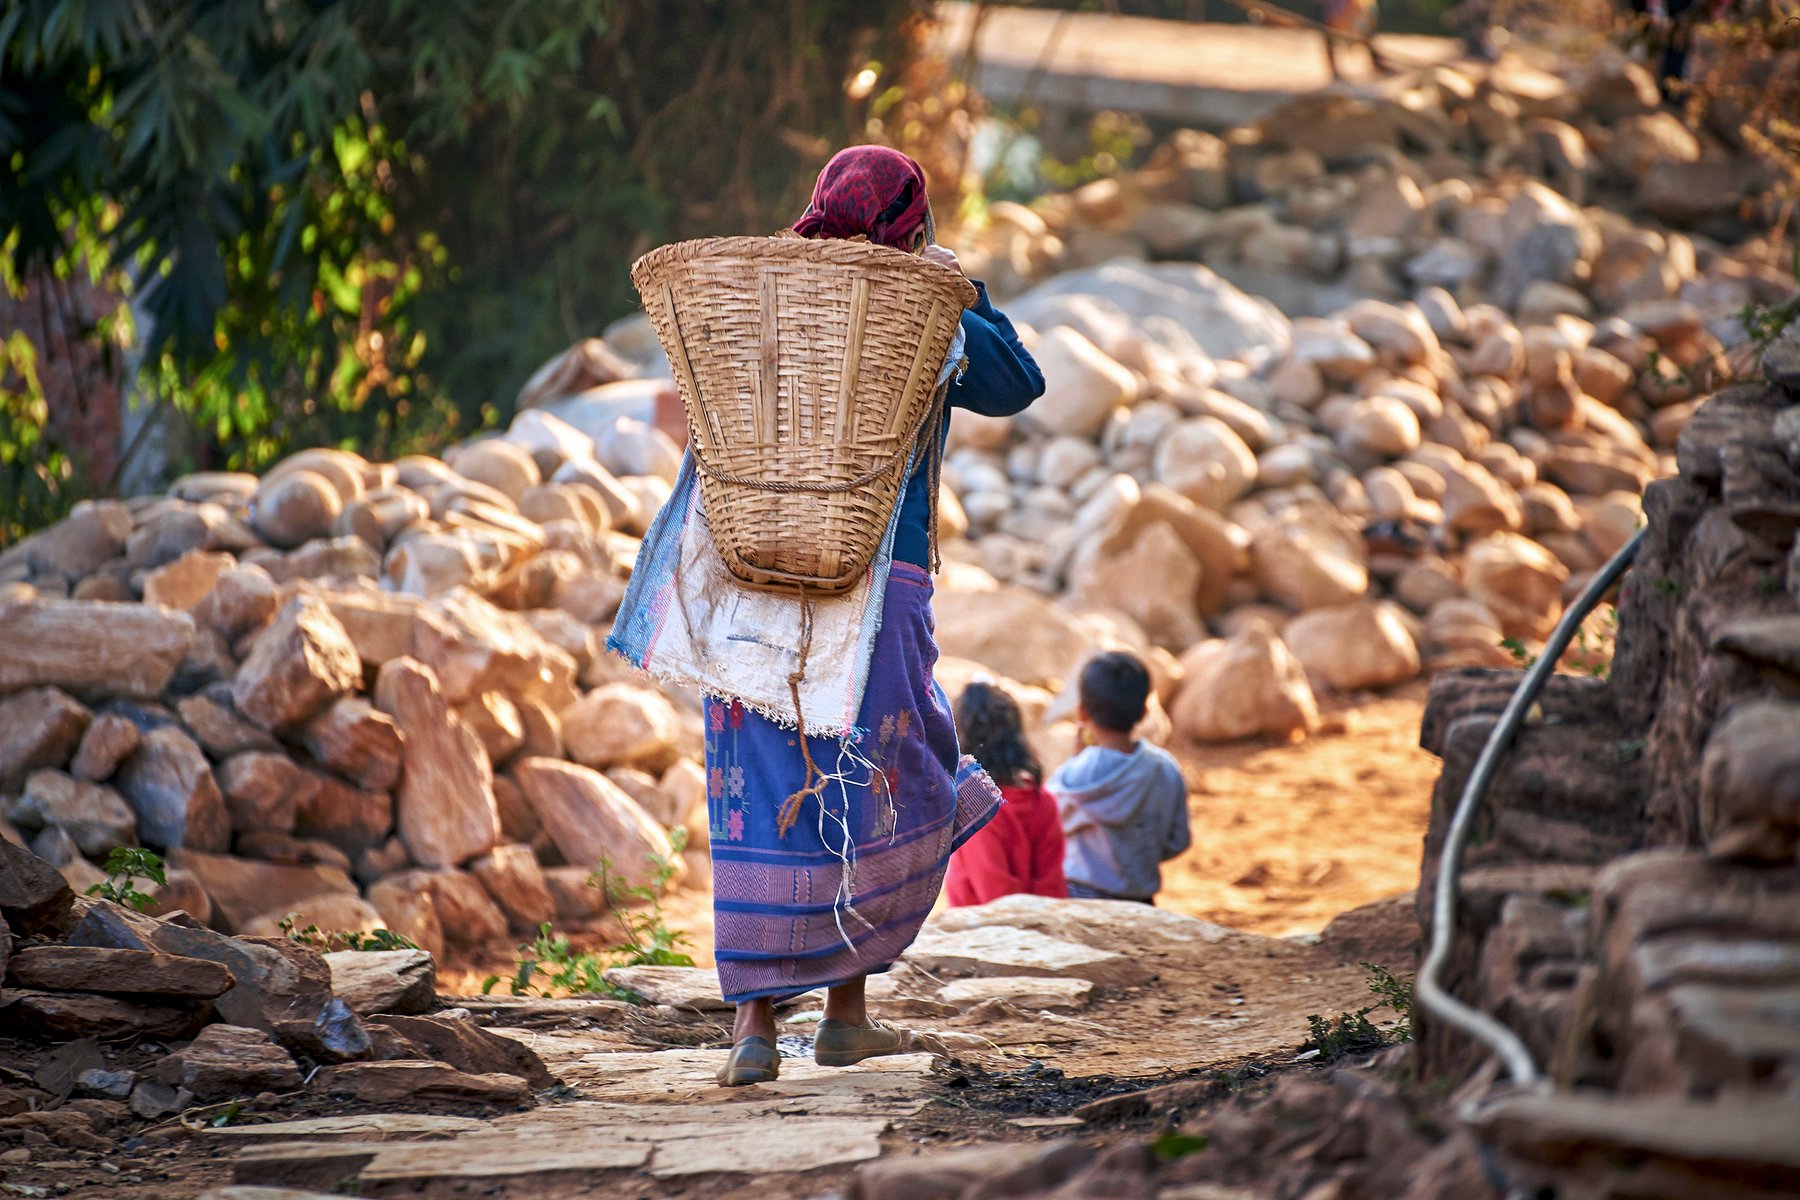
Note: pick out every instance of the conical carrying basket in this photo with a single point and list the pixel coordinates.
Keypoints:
(809, 369)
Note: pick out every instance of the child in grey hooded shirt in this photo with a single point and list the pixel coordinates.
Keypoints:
(1123, 801)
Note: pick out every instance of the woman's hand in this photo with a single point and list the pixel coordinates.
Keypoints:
(939, 256)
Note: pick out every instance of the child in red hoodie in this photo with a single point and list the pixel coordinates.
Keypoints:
(1021, 849)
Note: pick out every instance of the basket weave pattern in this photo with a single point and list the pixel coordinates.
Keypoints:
(808, 369)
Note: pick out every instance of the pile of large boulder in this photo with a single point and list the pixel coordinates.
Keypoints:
(215, 1018)
(364, 695)
(1352, 394)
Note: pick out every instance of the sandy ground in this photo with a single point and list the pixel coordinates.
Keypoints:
(1287, 837)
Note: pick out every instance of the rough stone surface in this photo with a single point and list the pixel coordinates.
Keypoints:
(297, 666)
(358, 742)
(96, 819)
(384, 981)
(108, 741)
(589, 817)
(243, 889)
(512, 877)
(409, 1082)
(1246, 686)
(39, 727)
(91, 648)
(170, 786)
(444, 808)
(224, 1061)
(34, 898)
(468, 1047)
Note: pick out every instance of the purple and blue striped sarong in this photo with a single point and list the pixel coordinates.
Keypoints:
(844, 893)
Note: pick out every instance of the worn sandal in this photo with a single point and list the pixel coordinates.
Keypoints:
(753, 1060)
(838, 1044)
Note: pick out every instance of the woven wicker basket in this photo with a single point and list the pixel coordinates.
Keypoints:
(808, 369)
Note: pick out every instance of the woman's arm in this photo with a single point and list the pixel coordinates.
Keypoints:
(1002, 377)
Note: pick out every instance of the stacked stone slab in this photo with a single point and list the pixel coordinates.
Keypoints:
(1629, 905)
(239, 1016)
(331, 692)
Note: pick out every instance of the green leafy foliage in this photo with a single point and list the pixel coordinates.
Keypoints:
(343, 939)
(1395, 991)
(364, 223)
(550, 964)
(1173, 1144)
(1352, 1032)
(124, 867)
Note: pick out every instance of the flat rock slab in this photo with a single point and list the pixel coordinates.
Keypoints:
(1001, 950)
(372, 1127)
(68, 1015)
(680, 1076)
(144, 973)
(1065, 994)
(393, 1082)
(263, 1193)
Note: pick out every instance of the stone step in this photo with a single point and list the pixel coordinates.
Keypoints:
(1587, 1145)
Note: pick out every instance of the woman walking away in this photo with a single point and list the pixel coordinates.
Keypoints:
(819, 886)
(1021, 849)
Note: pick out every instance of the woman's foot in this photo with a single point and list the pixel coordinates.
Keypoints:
(838, 1043)
(752, 1060)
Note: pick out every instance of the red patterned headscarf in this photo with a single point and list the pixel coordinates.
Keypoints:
(871, 191)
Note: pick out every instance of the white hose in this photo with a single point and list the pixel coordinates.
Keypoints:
(1429, 992)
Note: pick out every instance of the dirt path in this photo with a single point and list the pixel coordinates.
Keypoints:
(1287, 837)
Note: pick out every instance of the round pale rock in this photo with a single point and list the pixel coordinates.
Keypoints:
(1476, 503)
(294, 507)
(629, 447)
(1310, 557)
(622, 724)
(1354, 646)
(1154, 580)
(1204, 460)
(345, 471)
(1400, 331)
(1248, 685)
(1382, 426)
(1518, 581)
(1082, 385)
(1331, 348)
(503, 466)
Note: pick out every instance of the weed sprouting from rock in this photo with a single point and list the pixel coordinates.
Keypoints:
(550, 964)
(124, 867)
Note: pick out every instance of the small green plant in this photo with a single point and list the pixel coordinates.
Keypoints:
(344, 939)
(1668, 586)
(649, 942)
(1173, 1144)
(551, 965)
(124, 867)
(1395, 991)
(228, 1115)
(1353, 1032)
(376, 939)
(1520, 654)
(1344, 1034)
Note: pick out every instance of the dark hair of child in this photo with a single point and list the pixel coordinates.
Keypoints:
(1115, 688)
(992, 730)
